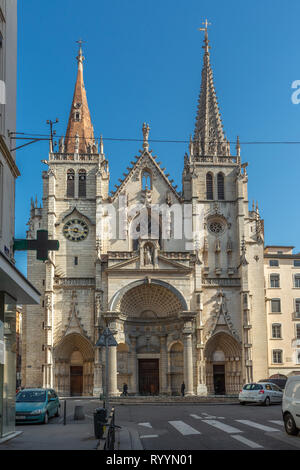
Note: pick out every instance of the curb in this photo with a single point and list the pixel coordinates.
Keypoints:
(128, 439)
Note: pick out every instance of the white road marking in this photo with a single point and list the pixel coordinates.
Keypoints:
(196, 416)
(146, 425)
(222, 426)
(256, 425)
(184, 428)
(280, 423)
(206, 416)
(247, 442)
(148, 436)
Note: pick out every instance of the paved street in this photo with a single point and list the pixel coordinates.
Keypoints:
(208, 427)
(165, 427)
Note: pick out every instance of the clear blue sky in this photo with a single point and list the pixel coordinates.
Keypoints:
(143, 63)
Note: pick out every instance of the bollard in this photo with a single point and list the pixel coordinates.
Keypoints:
(79, 413)
(65, 412)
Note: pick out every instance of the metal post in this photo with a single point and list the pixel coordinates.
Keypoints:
(106, 374)
(65, 412)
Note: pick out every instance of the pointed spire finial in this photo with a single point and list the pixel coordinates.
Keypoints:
(101, 145)
(146, 130)
(191, 147)
(80, 57)
(238, 147)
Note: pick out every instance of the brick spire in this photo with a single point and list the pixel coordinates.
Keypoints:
(80, 132)
(209, 138)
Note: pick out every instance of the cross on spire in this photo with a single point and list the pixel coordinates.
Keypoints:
(80, 42)
(206, 24)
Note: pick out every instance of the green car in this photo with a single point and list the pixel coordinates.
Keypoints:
(36, 405)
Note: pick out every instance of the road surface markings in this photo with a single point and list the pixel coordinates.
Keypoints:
(280, 423)
(207, 416)
(222, 426)
(196, 416)
(183, 428)
(146, 425)
(149, 436)
(247, 442)
(256, 425)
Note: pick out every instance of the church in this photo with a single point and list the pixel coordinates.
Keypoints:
(177, 276)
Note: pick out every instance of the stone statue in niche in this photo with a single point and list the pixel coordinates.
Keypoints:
(148, 255)
(98, 248)
(48, 302)
(99, 306)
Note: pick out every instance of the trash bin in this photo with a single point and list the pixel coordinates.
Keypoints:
(99, 421)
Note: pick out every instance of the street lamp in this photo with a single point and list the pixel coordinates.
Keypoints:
(106, 339)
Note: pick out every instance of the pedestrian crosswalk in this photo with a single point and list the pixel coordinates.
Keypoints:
(257, 425)
(219, 425)
(235, 430)
(184, 428)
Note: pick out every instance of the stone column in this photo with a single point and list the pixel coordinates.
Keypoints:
(188, 329)
(163, 365)
(113, 322)
(133, 366)
(112, 382)
(188, 365)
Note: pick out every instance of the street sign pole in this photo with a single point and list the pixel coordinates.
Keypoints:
(106, 374)
(107, 340)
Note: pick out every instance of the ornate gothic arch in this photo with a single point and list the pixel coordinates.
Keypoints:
(148, 295)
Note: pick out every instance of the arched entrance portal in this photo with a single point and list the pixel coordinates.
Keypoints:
(223, 356)
(74, 366)
(149, 314)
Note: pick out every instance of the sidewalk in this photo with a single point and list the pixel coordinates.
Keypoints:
(75, 435)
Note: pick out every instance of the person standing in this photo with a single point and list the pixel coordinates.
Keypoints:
(182, 388)
(125, 390)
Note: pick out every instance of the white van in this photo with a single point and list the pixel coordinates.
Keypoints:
(291, 405)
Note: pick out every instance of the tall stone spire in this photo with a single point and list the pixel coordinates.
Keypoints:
(80, 132)
(209, 138)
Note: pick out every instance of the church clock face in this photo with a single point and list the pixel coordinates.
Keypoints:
(76, 230)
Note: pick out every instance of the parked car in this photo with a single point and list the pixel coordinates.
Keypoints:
(279, 382)
(291, 405)
(263, 393)
(36, 405)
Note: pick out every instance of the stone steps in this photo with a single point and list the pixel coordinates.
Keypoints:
(140, 400)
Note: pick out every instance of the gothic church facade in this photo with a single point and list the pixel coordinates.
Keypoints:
(187, 308)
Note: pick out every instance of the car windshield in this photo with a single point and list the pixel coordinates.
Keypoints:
(32, 396)
(252, 387)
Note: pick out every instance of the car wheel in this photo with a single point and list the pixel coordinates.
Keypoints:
(290, 425)
(57, 414)
(267, 401)
(46, 418)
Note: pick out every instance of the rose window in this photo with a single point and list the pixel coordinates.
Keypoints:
(216, 227)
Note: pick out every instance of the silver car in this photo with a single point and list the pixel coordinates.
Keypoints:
(263, 393)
